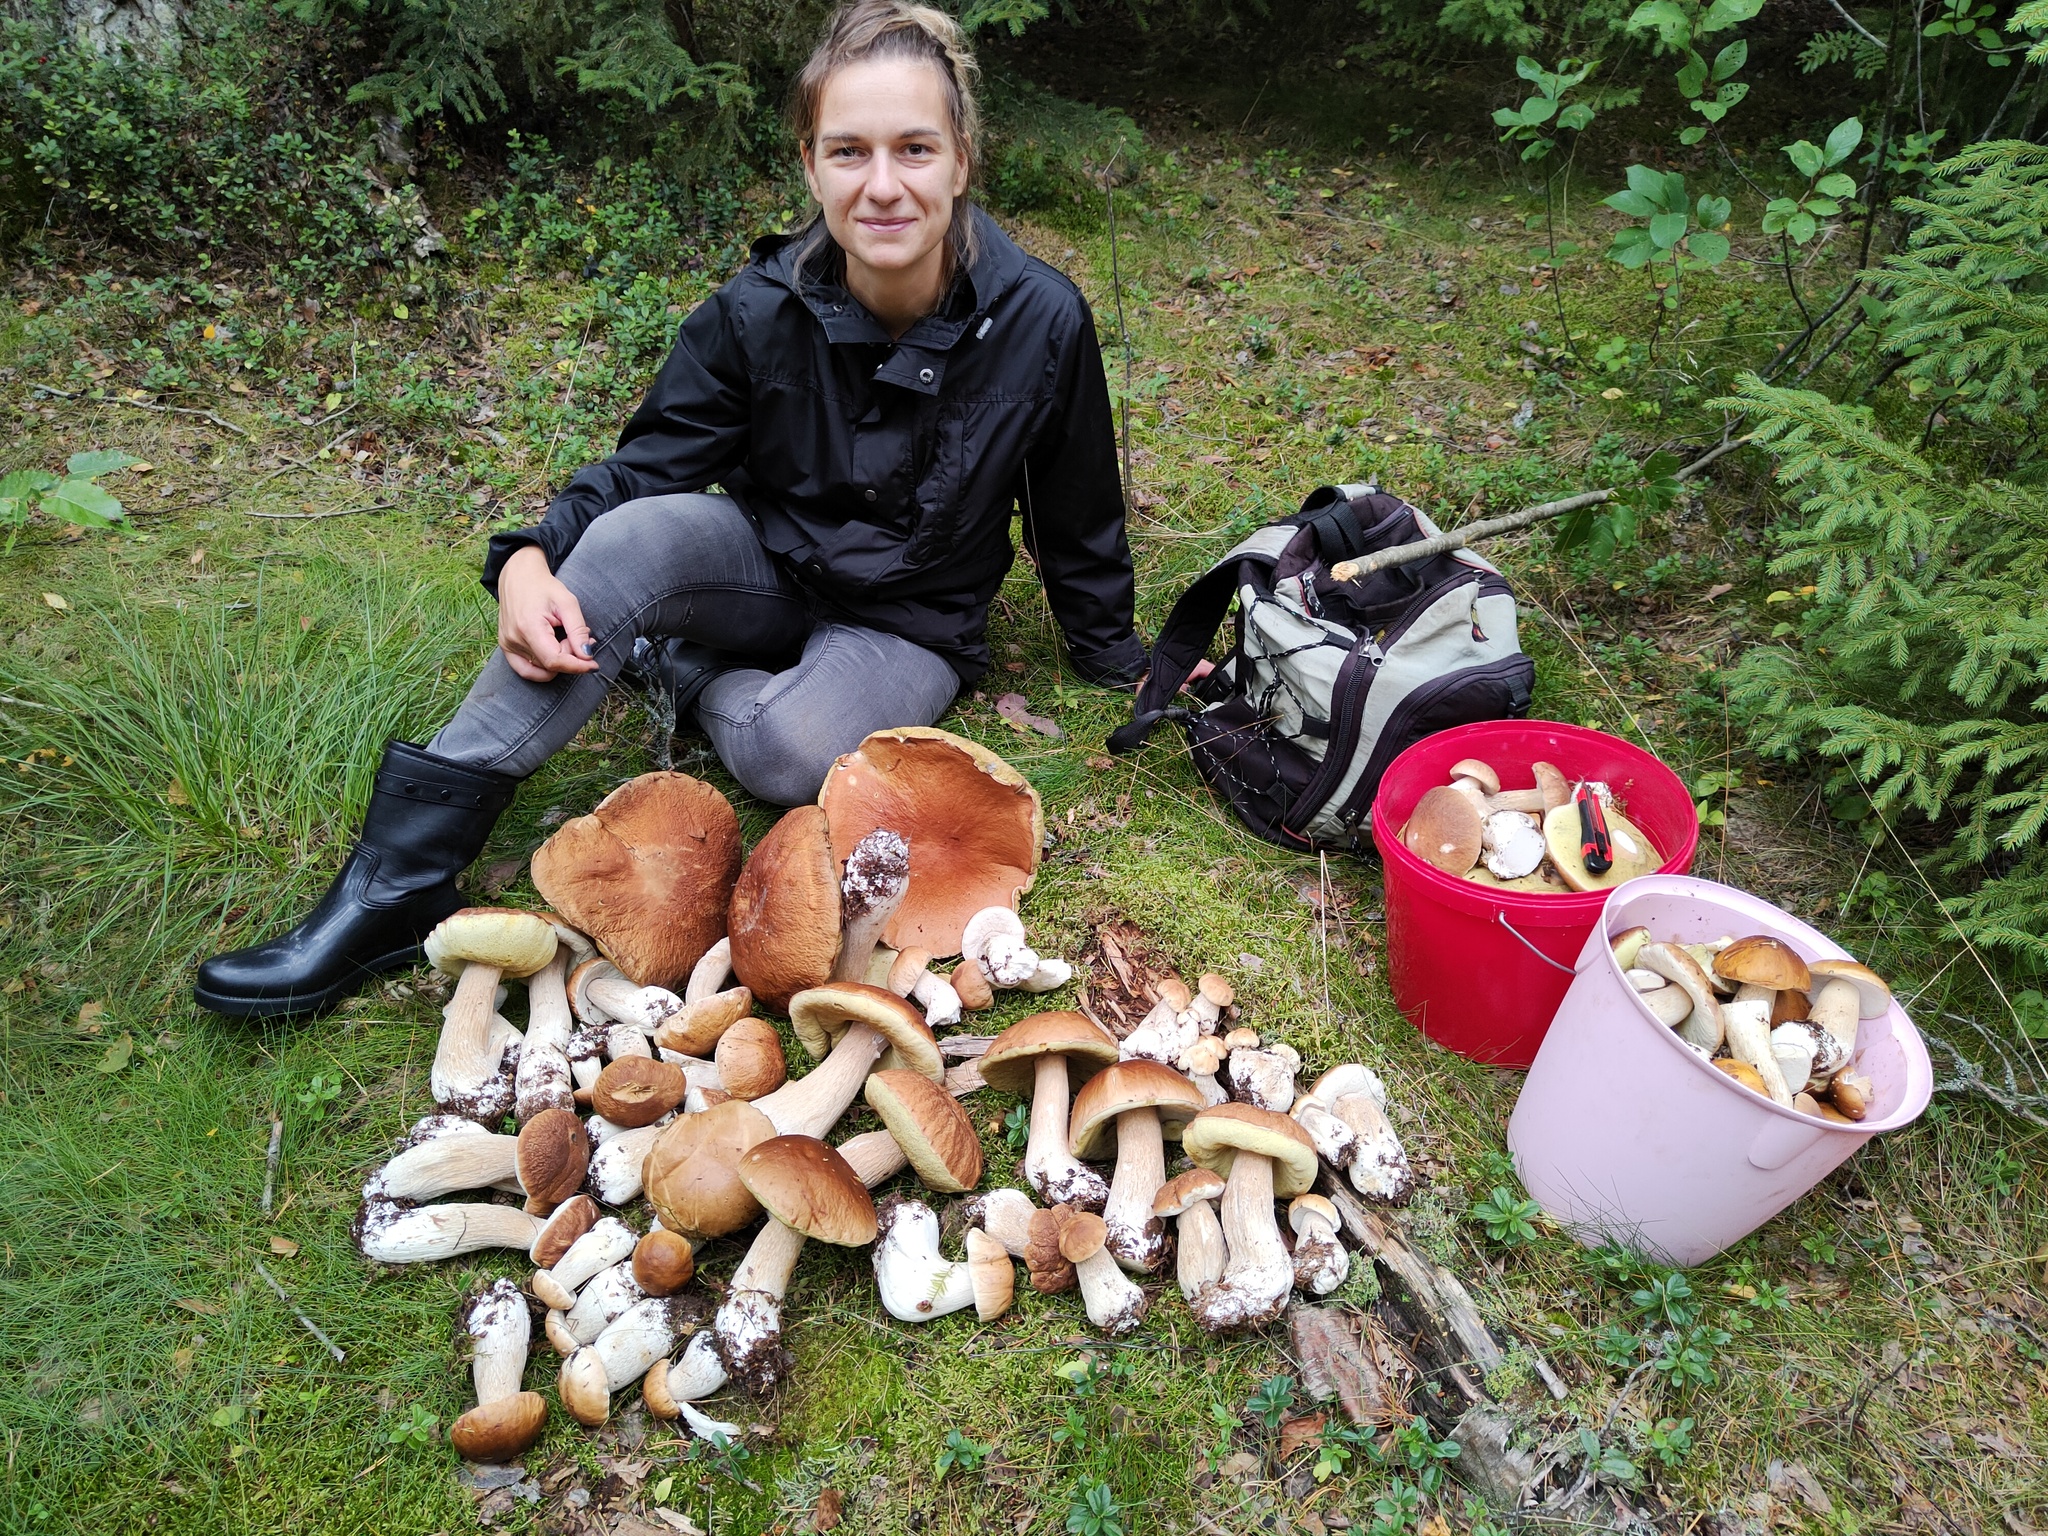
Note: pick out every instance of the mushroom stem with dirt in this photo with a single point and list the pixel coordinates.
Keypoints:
(1320, 1262)
(1168, 1031)
(1113, 1303)
(1262, 1156)
(607, 1242)
(1136, 1104)
(446, 1153)
(851, 1025)
(1345, 1115)
(809, 1191)
(476, 946)
(1042, 1055)
(918, 1283)
(600, 994)
(505, 1421)
(544, 1079)
(1199, 1252)
(388, 1232)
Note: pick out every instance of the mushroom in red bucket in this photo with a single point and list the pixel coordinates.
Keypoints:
(1445, 830)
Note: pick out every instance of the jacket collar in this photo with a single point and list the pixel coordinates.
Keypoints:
(917, 360)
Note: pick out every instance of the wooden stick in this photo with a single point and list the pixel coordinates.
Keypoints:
(270, 1162)
(1458, 538)
(142, 405)
(310, 1326)
(314, 517)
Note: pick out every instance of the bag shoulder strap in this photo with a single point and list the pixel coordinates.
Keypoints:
(1189, 629)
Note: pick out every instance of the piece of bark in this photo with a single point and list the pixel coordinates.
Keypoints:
(1438, 1292)
(1336, 1362)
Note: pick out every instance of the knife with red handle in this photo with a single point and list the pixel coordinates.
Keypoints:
(1596, 848)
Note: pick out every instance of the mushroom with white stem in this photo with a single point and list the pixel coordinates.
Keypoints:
(608, 1241)
(505, 1421)
(850, 1025)
(1476, 781)
(1346, 1118)
(970, 984)
(1199, 1254)
(1005, 1214)
(388, 1232)
(671, 1386)
(1201, 1061)
(1844, 994)
(1137, 1104)
(708, 975)
(1113, 1303)
(619, 1356)
(1703, 1025)
(609, 1293)
(617, 1169)
(1759, 968)
(1265, 1078)
(600, 994)
(918, 1283)
(543, 1079)
(1044, 1055)
(446, 1153)
(689, 1171)
(1168, 1029)
(994, 940)
(877, 874)
(1320, 1262)
(1262, 1156)
(1748, 1025)
(911, 976)
(808, 1191)
(699, 1026)
(476, 946)
(572, 1218)
(1212, 995)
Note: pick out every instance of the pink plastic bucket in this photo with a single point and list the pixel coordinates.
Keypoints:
(1481, 970)
(1626, 1136)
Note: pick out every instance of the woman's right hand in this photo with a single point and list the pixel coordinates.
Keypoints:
(540, 623)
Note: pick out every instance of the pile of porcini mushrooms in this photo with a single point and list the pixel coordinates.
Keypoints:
(1521, 839)
(1778, 1024)
(645, 1083)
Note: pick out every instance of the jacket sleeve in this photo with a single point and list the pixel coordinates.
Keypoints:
(1073, 505)
(689, 430)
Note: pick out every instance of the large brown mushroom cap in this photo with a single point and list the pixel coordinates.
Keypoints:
(1444, 830)
(517, 943)
(637, 1090)
(784, 913)
(553, 1156)
(820, 1015)
(931, 1128)
(807, 1186)
(1010, 1064)
(688, 1172)
(647, 874)
(974, 825)
(1129, 1085)
(1763, 961)
(495, 1432)
(1215, 1136)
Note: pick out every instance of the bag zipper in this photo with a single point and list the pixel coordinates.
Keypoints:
(1358, 802)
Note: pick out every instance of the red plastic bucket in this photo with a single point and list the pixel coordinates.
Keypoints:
(1481, 970)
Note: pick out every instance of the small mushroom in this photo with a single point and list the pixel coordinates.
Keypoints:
(476, 946)
(1201, 1062)
(1320, 1262)
(618, 1357)
(608, 1294)
(1050, 1270)
(1136, 1105)
(505, 1421)
(638, 1090)
(1113, 1303)
(809, 1192)
(749, 1063)
(971, 986)
(1703, 1025)
(918, 1283)
(700, 1026)
(1551, 783)
(1168, 1029)
(1262, 1155)
(1265, 1078)
(446, 1153)
(1743, 1073)
(601, 995)
(1212, 995)
(911, 976)
(607, 1242)
(1627, 944)
(1199, 1252)
(1479, 775)
(1040, 1055)
(1444, 830)
(663, 1261)
(572, 1218)
(1851, 1093)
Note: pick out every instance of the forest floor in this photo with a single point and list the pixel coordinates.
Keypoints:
(192, 704)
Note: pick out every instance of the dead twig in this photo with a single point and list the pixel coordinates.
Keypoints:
(306, 1322)
(140, 405)
(314, 517)
(270, 1162)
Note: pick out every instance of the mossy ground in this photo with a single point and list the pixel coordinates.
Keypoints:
(187, 736)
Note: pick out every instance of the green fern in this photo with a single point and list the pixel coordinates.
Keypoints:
(1920, 670)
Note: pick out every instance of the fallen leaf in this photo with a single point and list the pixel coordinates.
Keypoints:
(283, 1247)
(197, 557)
(237, 387)
(1791, 1480)
(829, 1511)
(181, 1359)
(679, 1521)
(1240, 1465)
(1436, 1525)
(202, 1307)
(119, 1054)
(1718, 589)
(1016, 709)
(1098, 762)
(1918, 1514)
(1998, 1445)
(2017, 1523)
(90, 1012)
(52, 600)
(176, 793)
(1296, 1435)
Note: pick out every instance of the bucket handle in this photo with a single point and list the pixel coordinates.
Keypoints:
(1502, 919)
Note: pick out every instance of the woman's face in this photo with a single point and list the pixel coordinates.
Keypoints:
(885, 166)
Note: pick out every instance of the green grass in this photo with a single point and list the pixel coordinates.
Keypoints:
(150, 1379)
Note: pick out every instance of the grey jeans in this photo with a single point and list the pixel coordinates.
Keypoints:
(691, 566)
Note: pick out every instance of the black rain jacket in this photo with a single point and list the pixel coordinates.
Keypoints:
(883, 472)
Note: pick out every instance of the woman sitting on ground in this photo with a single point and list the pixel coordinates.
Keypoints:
(874, 395)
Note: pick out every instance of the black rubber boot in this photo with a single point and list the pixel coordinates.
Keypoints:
(427, 821)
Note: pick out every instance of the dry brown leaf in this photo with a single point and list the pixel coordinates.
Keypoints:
(1791, 1480)
(202, 1307)
(1016, 709)
(283, 1247)
(1297, 1435)
(829, 1511)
